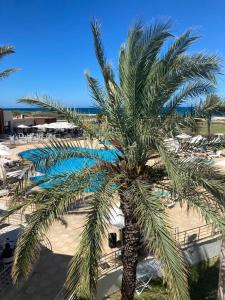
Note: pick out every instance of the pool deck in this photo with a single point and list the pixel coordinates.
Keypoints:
(50, 271)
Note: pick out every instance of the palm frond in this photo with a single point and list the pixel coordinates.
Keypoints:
(70, 114)
(82, 276)
(180, 46)
(7, 72)
(52, 205)
(5, 50)
(157, 232)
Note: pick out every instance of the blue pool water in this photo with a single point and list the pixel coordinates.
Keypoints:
(67, 165)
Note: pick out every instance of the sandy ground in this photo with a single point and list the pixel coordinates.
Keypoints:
(65, 239)
(50, 271)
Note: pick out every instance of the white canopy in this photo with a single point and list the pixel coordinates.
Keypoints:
(2, 172)
(40, 126)
(60, 125)
(183, 136)
(196, 139)
(22, 126)
(172, 144)
(3, 147)
(116, 217)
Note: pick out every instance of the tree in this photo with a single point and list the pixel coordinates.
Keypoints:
(4, 50)
(139, 109)
(213, 105)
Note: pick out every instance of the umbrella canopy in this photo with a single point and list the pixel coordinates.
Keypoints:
(22, 126)
(116, 217)
(40, 126)
(4, 153)
(196, 139)
(60, 125)
(172, 144)
(2, 173)
(3, 147)
(183, 136)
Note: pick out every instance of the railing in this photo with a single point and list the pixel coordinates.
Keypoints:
(110, 262)
(196, 234)
(113, 260)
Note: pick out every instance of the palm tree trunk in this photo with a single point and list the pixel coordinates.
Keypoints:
(221, 286)
(130, 252)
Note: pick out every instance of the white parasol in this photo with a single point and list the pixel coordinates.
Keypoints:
(116, 217)
(22, 126)
(60, 125)
(3, 147)
(2, 173)
(183, 136)
(40, 126)
(196, 139)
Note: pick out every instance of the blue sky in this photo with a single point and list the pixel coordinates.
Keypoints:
(54, 44)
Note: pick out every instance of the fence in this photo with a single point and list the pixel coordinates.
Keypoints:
(109, 262)
(195, 234)
(184, 238)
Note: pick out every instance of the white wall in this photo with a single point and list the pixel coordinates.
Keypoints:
(8, 117)
(193, 254)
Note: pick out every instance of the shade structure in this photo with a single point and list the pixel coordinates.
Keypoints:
(3, 147)
(22, 126)
(183, 136)
(116, 217)
(40, 126)
(4, 153)
(196, 139)
(2, 173)
(172, 144)
(60, 125)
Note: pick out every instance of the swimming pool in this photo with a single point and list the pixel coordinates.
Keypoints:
(68, 165)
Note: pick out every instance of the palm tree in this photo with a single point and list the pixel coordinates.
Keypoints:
(4, 50)
(212, 105)
(151, 83)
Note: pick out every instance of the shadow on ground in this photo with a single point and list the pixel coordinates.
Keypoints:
(47, 278)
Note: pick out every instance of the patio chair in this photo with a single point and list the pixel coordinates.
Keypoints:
(169, 203)
(143, 283)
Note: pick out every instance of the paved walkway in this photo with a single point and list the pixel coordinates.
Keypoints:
(47, 278)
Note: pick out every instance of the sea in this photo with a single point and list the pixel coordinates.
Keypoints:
(89, 110)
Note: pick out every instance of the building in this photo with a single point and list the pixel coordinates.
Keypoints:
(31, 121)
(6, 121)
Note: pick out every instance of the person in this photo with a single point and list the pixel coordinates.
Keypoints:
(7, 251)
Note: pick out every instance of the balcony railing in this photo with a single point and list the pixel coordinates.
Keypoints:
(196, 234)
(184, 238)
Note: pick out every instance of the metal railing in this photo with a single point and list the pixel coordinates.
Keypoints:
(184, 238)
(196, 234)
(110, 262)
